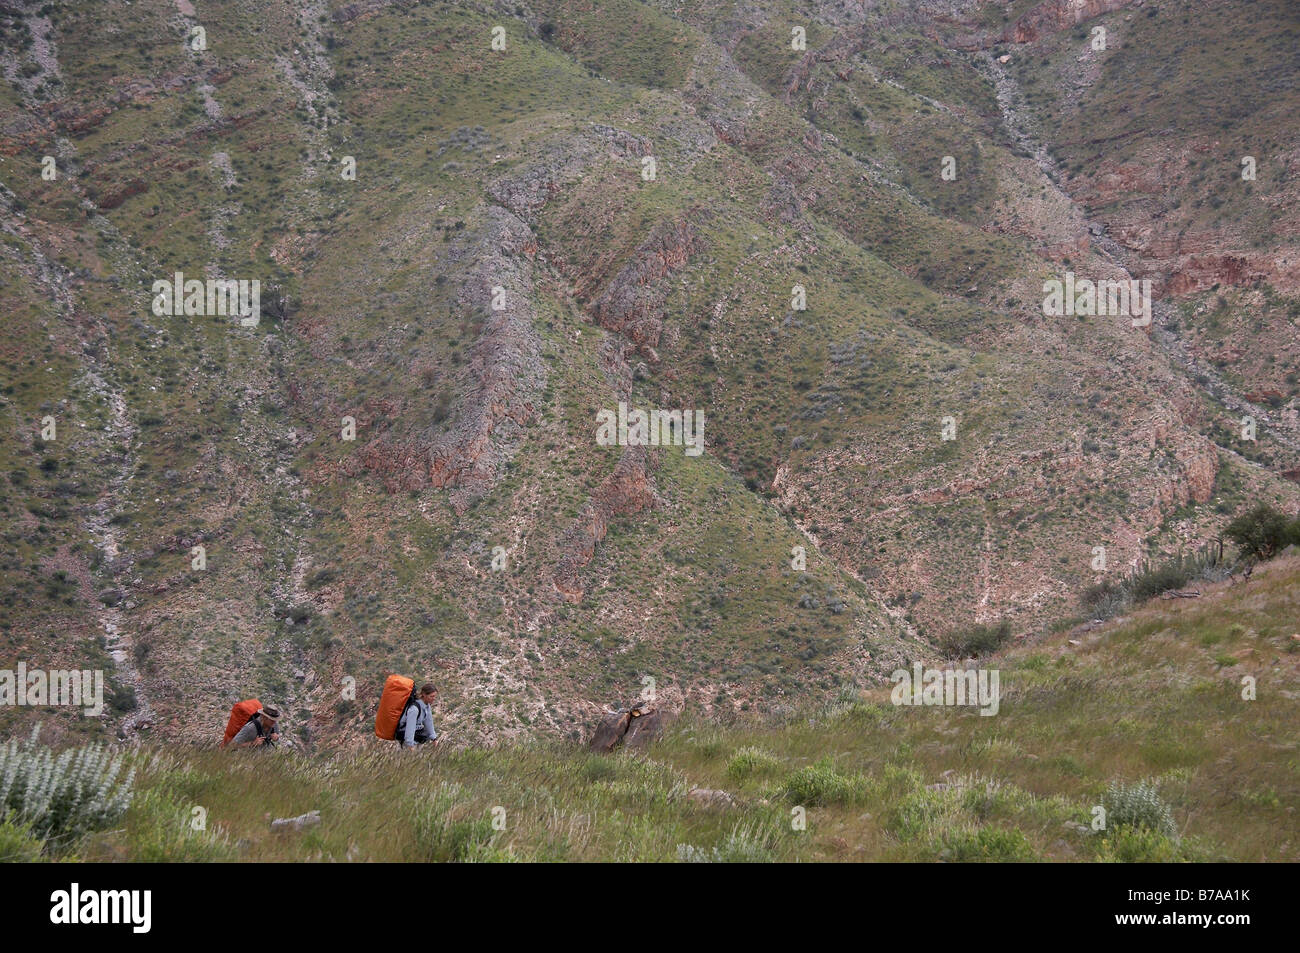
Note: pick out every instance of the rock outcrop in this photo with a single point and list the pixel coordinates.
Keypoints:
(1056, 15)
(497, 392)
(633, 304)
(635, 724)
(525, 191)
(505, 376)
(629, 489)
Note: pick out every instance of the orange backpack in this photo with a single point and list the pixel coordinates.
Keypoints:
(399, 691)
(239, 716)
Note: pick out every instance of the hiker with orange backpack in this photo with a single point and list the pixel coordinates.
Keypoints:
(258, 731)
(403, 714)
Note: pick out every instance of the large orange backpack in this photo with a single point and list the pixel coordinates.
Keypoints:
(239, 715)
(399, 692)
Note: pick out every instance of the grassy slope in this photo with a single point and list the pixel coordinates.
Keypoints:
(1155, 695)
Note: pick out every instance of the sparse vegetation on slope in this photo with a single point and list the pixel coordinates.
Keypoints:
(396, 468)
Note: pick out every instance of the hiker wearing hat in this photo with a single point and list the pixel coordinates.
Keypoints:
(259, 731)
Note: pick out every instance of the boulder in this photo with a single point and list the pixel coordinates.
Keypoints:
(635, 724)
(711, 798)
(112, 597)
(310, 819)
(643, 727)
(610, 731)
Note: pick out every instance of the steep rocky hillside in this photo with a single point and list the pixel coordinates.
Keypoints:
(476, 225)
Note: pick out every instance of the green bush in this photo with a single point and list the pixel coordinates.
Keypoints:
(820, 783)
(746, 844)
(1153, 580)
(984, 844)
(747, 762)
(62, 797)
(974, 641)
(1138, 806)
(1106, 599)
(18, 845)
(1139, 845)
(1110, 597)
(922, 812)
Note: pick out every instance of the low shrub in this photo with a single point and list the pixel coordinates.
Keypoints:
(746, 844)
(974, 641)
(1138, 806)
(747, 762)
(61, 797)
(984, 844)
(820, 783)
(18, 845)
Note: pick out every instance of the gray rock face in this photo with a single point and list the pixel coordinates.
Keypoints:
(505, 377)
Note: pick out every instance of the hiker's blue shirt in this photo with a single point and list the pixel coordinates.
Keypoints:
(421, 724)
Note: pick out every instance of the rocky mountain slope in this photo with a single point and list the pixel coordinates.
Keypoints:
(471, 240)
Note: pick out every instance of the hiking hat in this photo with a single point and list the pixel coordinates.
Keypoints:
(272, 713)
